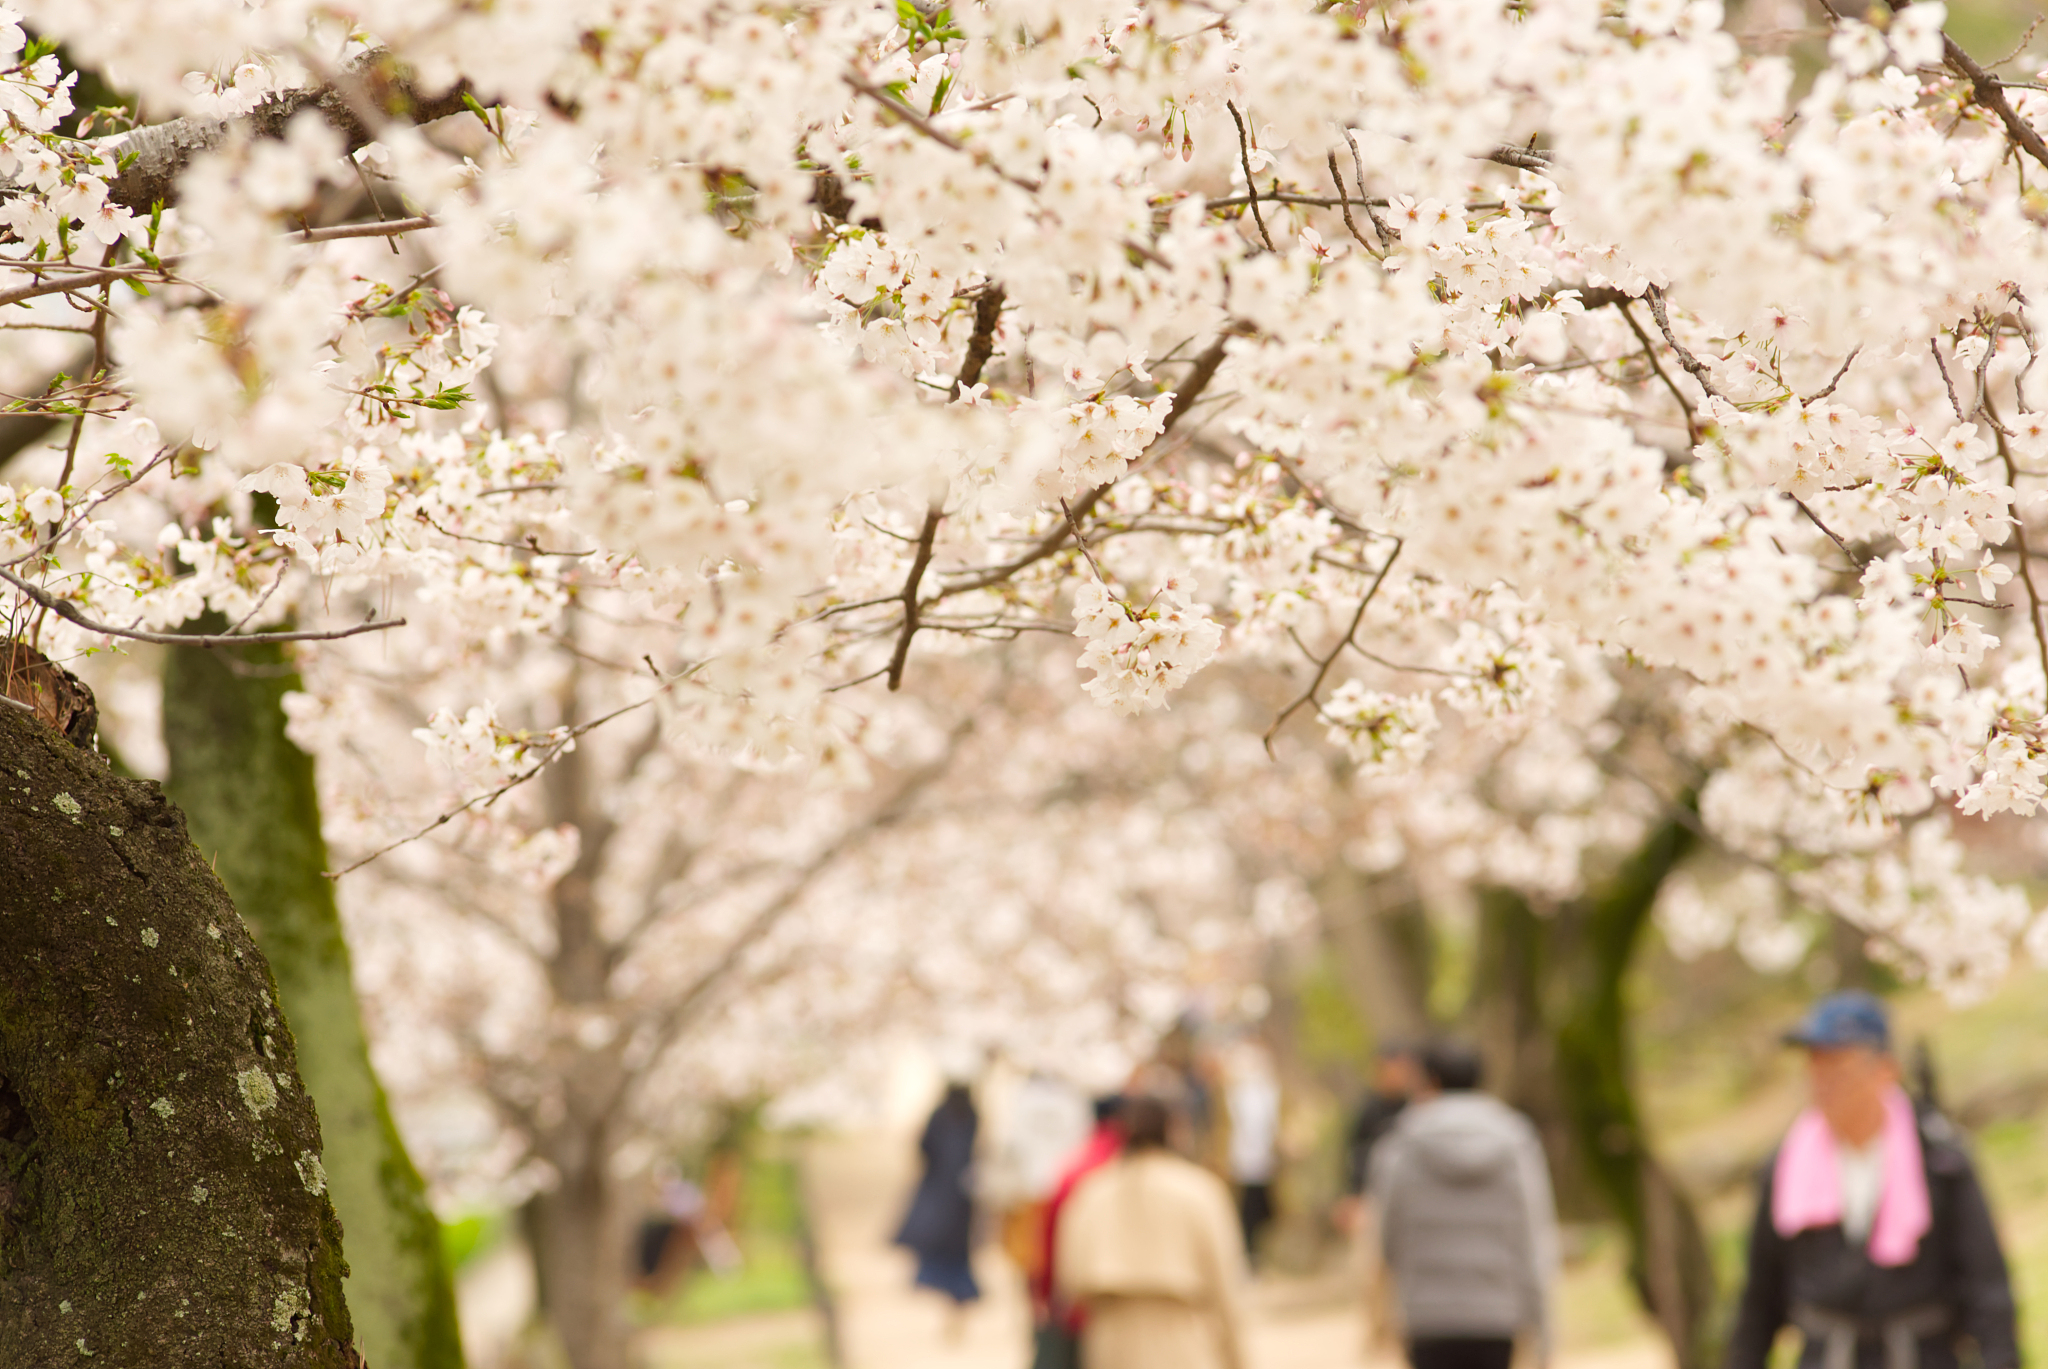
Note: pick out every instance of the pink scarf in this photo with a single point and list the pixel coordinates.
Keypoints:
(1806, 1190)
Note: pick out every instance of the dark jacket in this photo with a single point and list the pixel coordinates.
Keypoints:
(1375, 1118)
(1958, 1267)
(940, 1221)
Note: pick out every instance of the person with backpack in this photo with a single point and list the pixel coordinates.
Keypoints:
(1872, 1235)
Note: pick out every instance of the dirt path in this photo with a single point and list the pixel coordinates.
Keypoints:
(856, 1186)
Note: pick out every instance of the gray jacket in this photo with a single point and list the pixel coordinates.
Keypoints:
(1466, 1219)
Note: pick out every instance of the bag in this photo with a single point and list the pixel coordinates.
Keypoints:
(1053, 1347)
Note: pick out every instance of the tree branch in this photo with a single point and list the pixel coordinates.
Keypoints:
(490, 797)
(1814, 519)
(932, 130)
(981, 345)
(383, 228)
(1251, 186)
(69, 611)
(1829, 388)
(1323, 667)
(911, 607)
(163, 151)
(1184, 397)
(1696, 368)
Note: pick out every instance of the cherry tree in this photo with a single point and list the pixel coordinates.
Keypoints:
(569, 976)
(1445, 359)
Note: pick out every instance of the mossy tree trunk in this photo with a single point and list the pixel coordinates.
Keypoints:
(162, 1200)
(249, 796)
(1594, 945)
(1510, 1013)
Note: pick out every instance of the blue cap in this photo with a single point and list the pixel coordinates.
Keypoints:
(1853, 1018)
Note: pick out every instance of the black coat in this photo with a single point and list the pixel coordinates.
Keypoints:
(939, 1224)
(1374, 1119)
(1958, 1266)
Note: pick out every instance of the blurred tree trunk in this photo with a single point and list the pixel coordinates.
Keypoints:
(249, 796)
(1509, 1013)
(578, 1225)
(1595, 943)
(579, 1250)
(1377, 930)
(162, 1200)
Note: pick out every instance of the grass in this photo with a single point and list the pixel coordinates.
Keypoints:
(772, 1277)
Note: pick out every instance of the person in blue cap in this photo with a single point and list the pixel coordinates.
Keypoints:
(1872, 1235)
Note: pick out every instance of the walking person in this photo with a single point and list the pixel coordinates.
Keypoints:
(1396, 1078)
(939, 1226)
(1252, 1093)
(1467, 1224)
(1149, 1248)
(1056, 1321)
(1872, 1235)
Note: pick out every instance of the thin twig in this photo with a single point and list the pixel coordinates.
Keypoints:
(1814, 519)
(264, 598)
(2019, 532)
(1692, 430)
(1343, 199)
(84, 507)
(1244, 151)
(1379, 225)
(69, 611)
(932, 130)
(1323, 667)
(485, 800)
(1934, 347)
(1829, 389)
(99, 371)
(386, 228)
(526, 546)
(1417, 669)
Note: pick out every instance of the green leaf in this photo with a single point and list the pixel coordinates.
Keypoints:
(137, 286)
(446, 398)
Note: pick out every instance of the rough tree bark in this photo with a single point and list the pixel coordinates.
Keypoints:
(162, 1200)
(249, 796)
(373, 85)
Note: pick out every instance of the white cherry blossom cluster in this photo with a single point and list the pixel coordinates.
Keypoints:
(1474, 360)
(1385, 733)
(1141, 652)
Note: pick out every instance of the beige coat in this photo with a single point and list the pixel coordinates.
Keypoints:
(1149, 1245)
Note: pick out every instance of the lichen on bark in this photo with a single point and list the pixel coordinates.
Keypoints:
(152, 1209)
